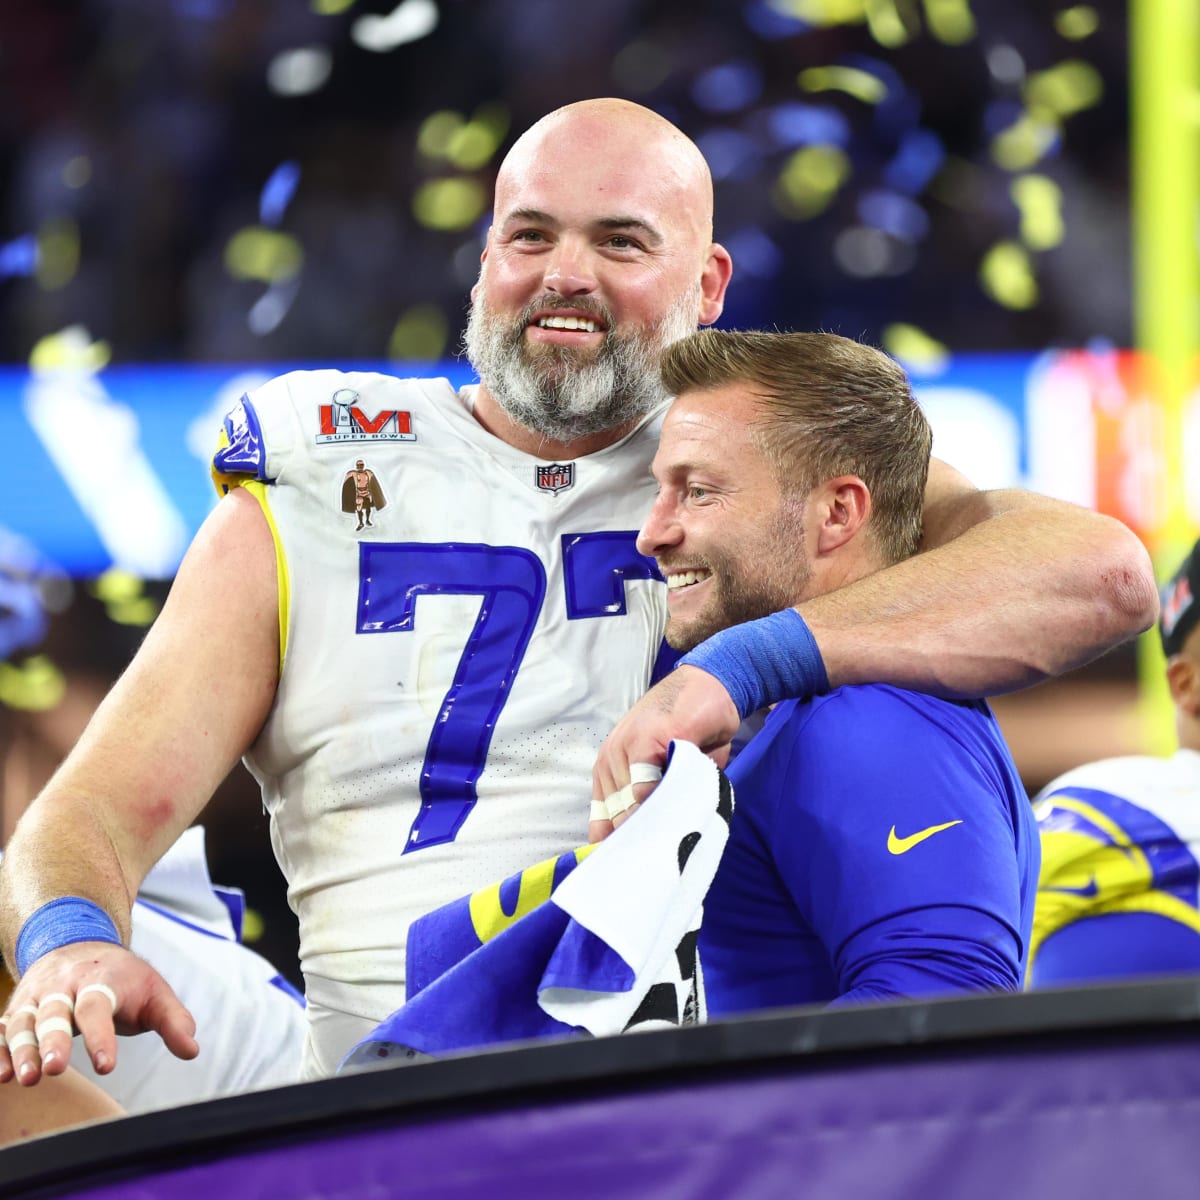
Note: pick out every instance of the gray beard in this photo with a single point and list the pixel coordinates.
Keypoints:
(563, 393)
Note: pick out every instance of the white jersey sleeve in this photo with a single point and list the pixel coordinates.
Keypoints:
(249, 1022)
(462, 624)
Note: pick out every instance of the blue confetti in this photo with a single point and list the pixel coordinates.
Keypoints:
(769, 23)
(19, 257)
(894, 214)
(755, 253)
(727, 88)
(798, 124)
(277, 193)
(918, 159)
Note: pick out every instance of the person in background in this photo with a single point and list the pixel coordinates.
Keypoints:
(183, 924)
(1119, 894)
(421, 701)
(882, 844)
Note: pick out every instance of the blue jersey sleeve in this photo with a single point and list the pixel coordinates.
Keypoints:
(900, 836)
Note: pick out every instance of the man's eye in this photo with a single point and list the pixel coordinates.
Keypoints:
(528, 235)
(695, 492)
(619, 241)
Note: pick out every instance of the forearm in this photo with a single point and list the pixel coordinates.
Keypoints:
(1027, 589)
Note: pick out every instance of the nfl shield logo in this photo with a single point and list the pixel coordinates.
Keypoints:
(557, 477)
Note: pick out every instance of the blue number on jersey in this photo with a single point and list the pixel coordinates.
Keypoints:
(512, 582)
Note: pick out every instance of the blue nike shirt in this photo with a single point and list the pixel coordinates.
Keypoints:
(882, 846)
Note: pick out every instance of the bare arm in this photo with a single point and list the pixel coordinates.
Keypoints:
(1010, 588)
(190, 704)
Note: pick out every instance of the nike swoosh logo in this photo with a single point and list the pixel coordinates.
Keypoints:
(902, 845)
(1089, 889)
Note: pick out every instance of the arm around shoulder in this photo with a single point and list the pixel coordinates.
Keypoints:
(1010, 588)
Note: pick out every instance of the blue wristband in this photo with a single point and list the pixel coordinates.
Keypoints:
(762, 662)
(60, 923)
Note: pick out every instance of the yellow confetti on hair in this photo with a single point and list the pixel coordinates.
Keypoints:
(420, 334)
(809, 181)
(1039, 201)
(36, 685)
(449, 204)
(1077, 22)
(862, 85)
(1006, 274)
(268, 255)
(57, 253)
(915, 349)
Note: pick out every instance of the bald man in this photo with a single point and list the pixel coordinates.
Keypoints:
(422, 699)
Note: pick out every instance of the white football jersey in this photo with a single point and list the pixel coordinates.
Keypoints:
(249, 1022)
(449, 669)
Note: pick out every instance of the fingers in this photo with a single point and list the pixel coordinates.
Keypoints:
(96, 1007)
(616, 807)
(37, 1038)
(175, 1025)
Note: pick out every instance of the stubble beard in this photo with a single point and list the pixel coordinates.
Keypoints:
(736, 599)
(562, 392)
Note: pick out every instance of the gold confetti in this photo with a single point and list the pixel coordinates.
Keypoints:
(1039, 201)
(267, 255)
(809, 181)
(862, 85)
(915, 349)
(57, 253)
(1006, 274)
(449, 204)
(36, 685)
(420, 334)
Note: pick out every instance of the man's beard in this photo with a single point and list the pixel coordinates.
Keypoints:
(735, 599)
(565, 392)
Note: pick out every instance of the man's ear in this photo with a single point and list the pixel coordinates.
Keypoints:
(1183, 679)
(718, 268)
(844, 507)
(487, 245)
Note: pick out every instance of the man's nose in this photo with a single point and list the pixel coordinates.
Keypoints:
(570, 271)
(661, 530)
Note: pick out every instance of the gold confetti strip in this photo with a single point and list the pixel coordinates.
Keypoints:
(887, 23)
(950, 21)
(1039, 201)
(71, 349)
(1078, 22)
(809, 181)
(1065, 89)
(36, 685)
(1025, 142)
(915, 349)
(330, 8)
(862, 85)
(420, 334)
(1006, 275)
(57, 253)
(124, 598)
(267, 255)
(449, 204)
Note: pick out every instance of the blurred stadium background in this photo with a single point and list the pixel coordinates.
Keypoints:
(198, 194)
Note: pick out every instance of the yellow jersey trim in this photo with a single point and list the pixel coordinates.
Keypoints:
(258, 490)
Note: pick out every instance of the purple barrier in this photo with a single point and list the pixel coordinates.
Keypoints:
(1093, 1091)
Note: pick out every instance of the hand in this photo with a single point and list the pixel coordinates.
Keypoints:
(98, 989)
(689, 704)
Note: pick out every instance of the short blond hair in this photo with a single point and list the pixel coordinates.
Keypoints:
(830, 406)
